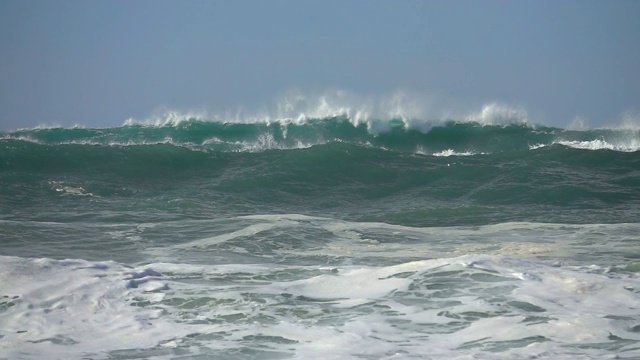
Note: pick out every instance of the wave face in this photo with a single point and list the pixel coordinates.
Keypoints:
(320, 238)
(450, 174)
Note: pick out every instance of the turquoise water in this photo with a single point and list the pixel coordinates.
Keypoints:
(320, 238)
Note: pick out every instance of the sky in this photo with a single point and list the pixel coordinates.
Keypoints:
(99, 63)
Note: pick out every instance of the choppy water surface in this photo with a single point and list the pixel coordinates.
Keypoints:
(324, 238)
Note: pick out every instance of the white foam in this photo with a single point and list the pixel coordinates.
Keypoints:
(64, 309)
(357, 284)
(630, 145)
(69, 190)
(451, 152)
(537, 146)
(439, 309)
(499, 114)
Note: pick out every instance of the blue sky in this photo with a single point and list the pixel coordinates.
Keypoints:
(98, 63)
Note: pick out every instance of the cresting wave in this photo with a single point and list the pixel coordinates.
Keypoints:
(298, 108)
(464, 137)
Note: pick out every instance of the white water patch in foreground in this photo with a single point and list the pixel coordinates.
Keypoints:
(487, 307)
(74, 308)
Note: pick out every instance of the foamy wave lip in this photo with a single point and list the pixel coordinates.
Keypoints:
(268, 142)
(102, 142)
(263, 142)
(51, 126)
(446, 153)
(43, 127)
(24, 138)
(600, 144)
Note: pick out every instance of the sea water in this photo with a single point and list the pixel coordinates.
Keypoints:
(320, 238)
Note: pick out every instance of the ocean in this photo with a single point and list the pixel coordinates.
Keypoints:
(320, 238)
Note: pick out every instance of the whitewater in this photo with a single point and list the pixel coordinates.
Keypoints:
(341, 233)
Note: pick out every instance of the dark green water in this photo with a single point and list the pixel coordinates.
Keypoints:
(326, 167)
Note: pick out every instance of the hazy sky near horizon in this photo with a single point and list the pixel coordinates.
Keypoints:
(98, 63)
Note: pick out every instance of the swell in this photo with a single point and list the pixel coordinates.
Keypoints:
(553, 183)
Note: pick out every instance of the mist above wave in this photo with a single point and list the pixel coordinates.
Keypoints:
(410, 111)
(400, 121)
